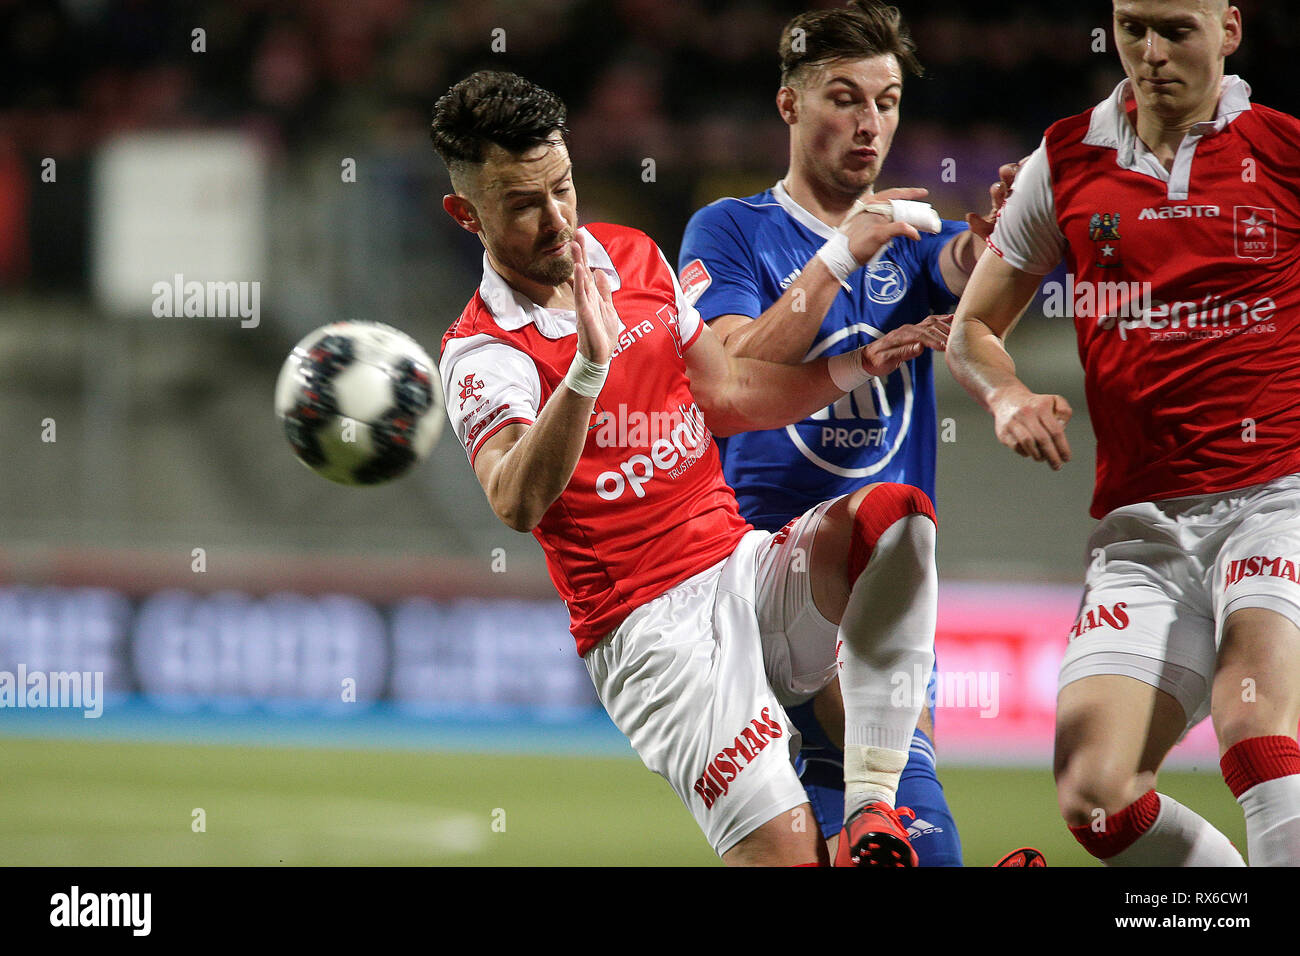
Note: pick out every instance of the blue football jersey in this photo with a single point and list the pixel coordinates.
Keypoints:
(738, 256)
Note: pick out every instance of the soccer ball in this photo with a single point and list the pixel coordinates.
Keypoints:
(359, 402)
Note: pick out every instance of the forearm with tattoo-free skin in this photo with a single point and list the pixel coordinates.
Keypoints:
(783, 333)
(1032, 425)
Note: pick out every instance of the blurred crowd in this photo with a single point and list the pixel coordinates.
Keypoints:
(688, 82)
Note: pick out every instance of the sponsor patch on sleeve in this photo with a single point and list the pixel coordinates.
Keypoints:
(694, 279)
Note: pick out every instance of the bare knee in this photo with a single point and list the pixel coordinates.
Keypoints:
(789, 839)
(1091, 786)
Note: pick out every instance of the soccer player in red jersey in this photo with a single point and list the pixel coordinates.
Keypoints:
(584, 388)
(1175, 206)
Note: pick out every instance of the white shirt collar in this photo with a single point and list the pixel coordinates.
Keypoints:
(512, 310)
(1110, 126)
(799, 214)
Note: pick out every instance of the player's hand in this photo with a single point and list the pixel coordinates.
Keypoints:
(905, 343)
(869, 231)
(1033, 425)
(598, 321)
(999, 193)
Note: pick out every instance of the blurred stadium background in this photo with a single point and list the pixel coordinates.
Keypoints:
(154, 526)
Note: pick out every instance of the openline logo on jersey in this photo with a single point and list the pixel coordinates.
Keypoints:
(77, 690)
(675, 440)
(1126, 306)
(74, 909)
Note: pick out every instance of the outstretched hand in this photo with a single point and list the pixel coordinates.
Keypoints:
(598, 321)
(905, 343)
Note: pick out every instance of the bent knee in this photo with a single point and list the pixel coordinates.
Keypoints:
(874, 509)
(1089, 789)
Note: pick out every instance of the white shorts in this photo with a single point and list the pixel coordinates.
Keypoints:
(696, 680)
(1163, 576)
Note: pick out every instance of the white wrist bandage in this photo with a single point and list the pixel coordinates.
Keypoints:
(846, 370)
(835, 253)
(586, 377)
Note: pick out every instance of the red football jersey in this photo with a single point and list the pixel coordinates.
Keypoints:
(1185, 290)
(647, 506)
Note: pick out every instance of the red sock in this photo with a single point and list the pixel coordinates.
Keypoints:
(1257, 759)
(1121, 828)
(883, 505)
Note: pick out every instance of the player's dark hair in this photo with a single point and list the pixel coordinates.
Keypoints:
(491, 106)
(858, 31)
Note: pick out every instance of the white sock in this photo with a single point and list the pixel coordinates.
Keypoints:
(886, 653)
(1179, 837)
(1273, 821)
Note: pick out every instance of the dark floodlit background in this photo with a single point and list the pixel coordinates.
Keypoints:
(154, 526)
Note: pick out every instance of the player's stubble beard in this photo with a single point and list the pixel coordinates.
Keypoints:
(552, 270)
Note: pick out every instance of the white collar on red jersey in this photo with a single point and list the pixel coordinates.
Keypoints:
(1110, 126)
(512, 310)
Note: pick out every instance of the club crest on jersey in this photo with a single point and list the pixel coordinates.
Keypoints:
(469, 388)
(1103, 228)
(694, 280)
(886, 283)
(668, 316)
(1255, 232)
(859, 434)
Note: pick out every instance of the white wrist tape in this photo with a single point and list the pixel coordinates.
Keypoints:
(919, 215)
(835, 253)
(846, 370)
(586, 377)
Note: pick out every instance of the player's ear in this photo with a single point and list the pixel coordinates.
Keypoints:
(462, 211)
(1231, 31)
(787, 104)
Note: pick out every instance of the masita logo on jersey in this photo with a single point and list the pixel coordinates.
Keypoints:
(1179, 212)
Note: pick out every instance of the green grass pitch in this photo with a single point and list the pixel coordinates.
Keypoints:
(97, 803)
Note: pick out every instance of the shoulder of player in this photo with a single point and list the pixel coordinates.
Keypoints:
(475, 319)
(623, 243)
(1069, 131)
(729, 210)
(608, 233)
(1275, 121)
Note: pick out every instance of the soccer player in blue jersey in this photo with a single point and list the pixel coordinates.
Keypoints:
(780, 276)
